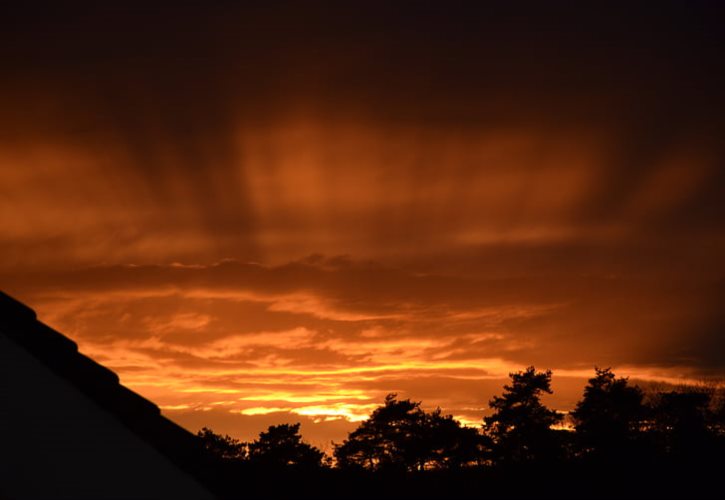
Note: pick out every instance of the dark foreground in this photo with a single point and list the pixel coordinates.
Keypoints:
(610, 479)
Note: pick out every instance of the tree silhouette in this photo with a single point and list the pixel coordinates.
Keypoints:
(610, 414)
(681, 420)
(678, 437)
(400, 435)
(224, 447)
(281, 446)
(520, 426)
(389, 439)
(450, 445)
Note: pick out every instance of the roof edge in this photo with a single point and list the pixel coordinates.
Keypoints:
(102, 386)
(15, 309)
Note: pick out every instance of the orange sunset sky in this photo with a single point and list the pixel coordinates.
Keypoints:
(274, 212)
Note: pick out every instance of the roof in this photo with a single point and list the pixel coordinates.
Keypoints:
(60, 354)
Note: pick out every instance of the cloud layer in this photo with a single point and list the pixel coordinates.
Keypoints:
(327, 338)
(252, 217)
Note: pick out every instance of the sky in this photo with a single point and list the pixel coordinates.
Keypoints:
(270, 212)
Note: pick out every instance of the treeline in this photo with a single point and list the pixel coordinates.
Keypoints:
(617, 429)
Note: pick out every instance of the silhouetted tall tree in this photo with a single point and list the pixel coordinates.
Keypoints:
(390, 438)
(222, 446)
(520, 426)
(400, 435)
(681, 420)
(609, 416)
(449, 445)
(282, 445)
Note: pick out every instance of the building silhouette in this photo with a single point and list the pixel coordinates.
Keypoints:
(70, 430)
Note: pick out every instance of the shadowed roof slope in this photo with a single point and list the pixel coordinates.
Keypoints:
(98, 384)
